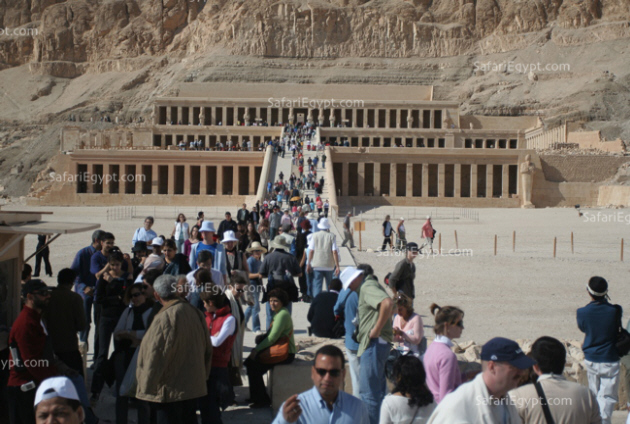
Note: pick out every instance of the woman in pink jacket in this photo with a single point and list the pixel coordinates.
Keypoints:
(408, 328)
(440, 363)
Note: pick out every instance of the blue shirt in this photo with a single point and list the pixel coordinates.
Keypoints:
(218, 257)
(346, 410)
(348, 303)
(81, 266)
(598, 320)
(143, 235)
(254, 266)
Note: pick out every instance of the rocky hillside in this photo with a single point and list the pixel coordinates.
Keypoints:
(88, 58)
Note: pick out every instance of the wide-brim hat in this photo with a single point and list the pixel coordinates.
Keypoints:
(348, 275)
(208, 227)
(140, 246)
(229, 236)
(323, 224)
(280, 242)
(256, 246)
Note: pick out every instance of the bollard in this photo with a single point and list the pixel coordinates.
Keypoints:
(571, 242)
(440, 242)
(456, 243)
(555, 240)
(513, 241)
(495, 245)
(621, 250)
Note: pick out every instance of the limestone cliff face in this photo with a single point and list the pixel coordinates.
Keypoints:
(88, 31)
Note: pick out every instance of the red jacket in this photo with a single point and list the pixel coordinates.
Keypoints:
(36, 352)
(221, 354)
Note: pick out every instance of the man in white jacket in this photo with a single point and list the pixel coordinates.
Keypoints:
(484, 400)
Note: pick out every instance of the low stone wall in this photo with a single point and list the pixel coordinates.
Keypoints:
(571, 168)
(617, 195)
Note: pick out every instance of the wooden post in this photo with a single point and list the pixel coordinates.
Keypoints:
(495, 245)
(621, 250)
(456, 243)
(555, 240)
(571, 242)
(440, 242)
(513, 241)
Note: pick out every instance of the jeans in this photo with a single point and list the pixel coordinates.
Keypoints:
(273, 232)
(289, 307)
(603, 381)
(309, 282)
(180, 412)
(372, 381)
(255, 372)
(180, 245)
(88, 301)
(253, 311)
(318, 281)
(354, 364)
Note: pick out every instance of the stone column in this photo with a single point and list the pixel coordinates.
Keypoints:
(191, 115)
(361, 179)
(421, 118)
(392, 179)
(489, 181)
(202, 115)
(107, 170)
(377, 177)
(88, 177)
(139, 177)
(473, 181)
(409, 192)
(163, 141)
(269, 117)
(213, 117)
(219, 180)
(345, 172)
(398, 115)
(179, 115)
(441, 180)
(235, 180)
(203, 180)
(252, 181)
(187, 179)
(505, 182)
(432, 115)
(224, 117)
(365, 118)
(371, 141)
(171, 179)
(154, 179)
(458, 180)
(169, 116)
(425, 180)
(354, 118)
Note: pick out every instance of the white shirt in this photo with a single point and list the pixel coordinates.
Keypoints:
(217, 278)
(309, 242)
(443, 339)
(396, 410)
(178, 226)
(227, 329)
(143, 235)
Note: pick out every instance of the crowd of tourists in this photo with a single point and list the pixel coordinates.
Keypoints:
(176, 309)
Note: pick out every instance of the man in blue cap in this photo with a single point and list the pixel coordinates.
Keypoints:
(484, 399)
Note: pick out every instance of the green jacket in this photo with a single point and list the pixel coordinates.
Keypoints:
(282, 325)
(371, 294)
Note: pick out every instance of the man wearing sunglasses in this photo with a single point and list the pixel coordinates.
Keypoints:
(325, 402)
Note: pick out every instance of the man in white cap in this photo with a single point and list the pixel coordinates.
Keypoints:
(323, 257)
(347, 233)
(57, 399)
(208, 243)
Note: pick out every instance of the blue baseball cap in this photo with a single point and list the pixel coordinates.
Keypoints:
(501, 349)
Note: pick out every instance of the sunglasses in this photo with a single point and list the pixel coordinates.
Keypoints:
(240, 291)
(43, 292)
(136, 294)
(460, 324)
(333, 373)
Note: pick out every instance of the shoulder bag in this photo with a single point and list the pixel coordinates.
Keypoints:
(543, 403)
(622, 344)
(278, 352)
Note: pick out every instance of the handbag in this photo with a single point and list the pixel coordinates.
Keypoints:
(394, 354)
(339, 329)
(622, 345)
(130, 383)
(276, 353)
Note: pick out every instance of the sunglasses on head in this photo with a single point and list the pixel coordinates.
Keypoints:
(333, 373)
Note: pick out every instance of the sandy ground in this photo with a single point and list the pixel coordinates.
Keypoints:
(521, 295)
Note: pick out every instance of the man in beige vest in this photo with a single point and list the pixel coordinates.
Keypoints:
(323, 256)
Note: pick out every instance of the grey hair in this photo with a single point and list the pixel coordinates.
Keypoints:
(166, 286)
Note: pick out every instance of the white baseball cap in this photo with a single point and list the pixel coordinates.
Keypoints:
(56, 387)
(157, 241)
